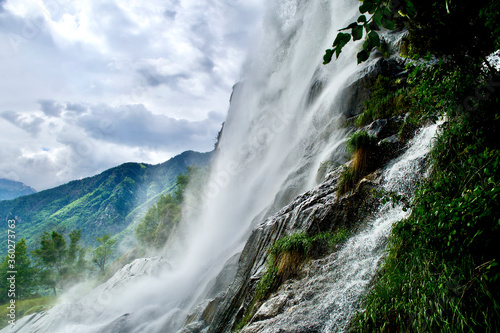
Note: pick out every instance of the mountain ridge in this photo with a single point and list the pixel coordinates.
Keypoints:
(106, 203)
(11, 189)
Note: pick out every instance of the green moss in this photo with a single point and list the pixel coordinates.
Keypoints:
(361, 140)
(389, 98)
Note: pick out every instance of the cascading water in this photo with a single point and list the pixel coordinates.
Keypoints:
(283, 122)
(327, 297)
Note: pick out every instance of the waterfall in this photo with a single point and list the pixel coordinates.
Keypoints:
(285, 118)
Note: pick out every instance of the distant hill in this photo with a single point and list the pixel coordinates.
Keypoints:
(10, 189)
(104, 204)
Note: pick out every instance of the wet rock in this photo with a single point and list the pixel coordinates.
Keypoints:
(377, 127)
(315, 211)
(271, 308)
(356, 93)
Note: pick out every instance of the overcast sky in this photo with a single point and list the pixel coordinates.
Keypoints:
(88, 85)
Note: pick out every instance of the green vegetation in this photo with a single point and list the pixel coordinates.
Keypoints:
(162, 218)
(285, 259)
(59, 265)
(384, 14)
(441, 271)
(458, 30)
(107, 202)
(389, 98)
(25, 277)
(103, 252)
(449, 280)
(363, 148)
(104, 204)
(28, 306)
(286, 256)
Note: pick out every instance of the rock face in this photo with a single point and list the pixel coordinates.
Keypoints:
(358, 91)
(316, 211)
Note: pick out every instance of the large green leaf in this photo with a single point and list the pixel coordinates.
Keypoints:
(362, 56)
(367, 6)
(387, 19)
(357, 32)
(340, 41)
(328, 56)
(372, 40)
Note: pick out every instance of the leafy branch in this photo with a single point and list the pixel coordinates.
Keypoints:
(383, 14)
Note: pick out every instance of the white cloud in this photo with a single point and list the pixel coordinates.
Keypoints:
(115, 81)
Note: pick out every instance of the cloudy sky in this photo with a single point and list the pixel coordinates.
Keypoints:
(88, 85)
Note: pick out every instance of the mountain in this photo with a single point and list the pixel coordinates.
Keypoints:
(103, 204)
(10, 189)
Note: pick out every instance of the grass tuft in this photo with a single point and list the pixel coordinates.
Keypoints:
(363, 147)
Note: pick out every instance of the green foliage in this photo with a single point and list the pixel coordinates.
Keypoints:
(26, 307)
(462, 31)
(388, 98)
(162, 218)
(103, 252)
(25, 276)
(286, 255)
(158, 223)
(363, 148)
(348, 180)
(361, 140)
(441, 271)
(383, 14)
(57, 265)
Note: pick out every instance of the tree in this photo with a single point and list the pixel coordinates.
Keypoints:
(181, 183)
(25, 276)
(161, 218)
(463, 31)
(57, 262)
(74, 238)
(103, 252)
(75, 259)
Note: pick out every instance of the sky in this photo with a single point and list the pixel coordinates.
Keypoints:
(87, 85)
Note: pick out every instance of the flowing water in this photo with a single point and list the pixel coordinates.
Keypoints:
(285, 119)
(326, 299)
